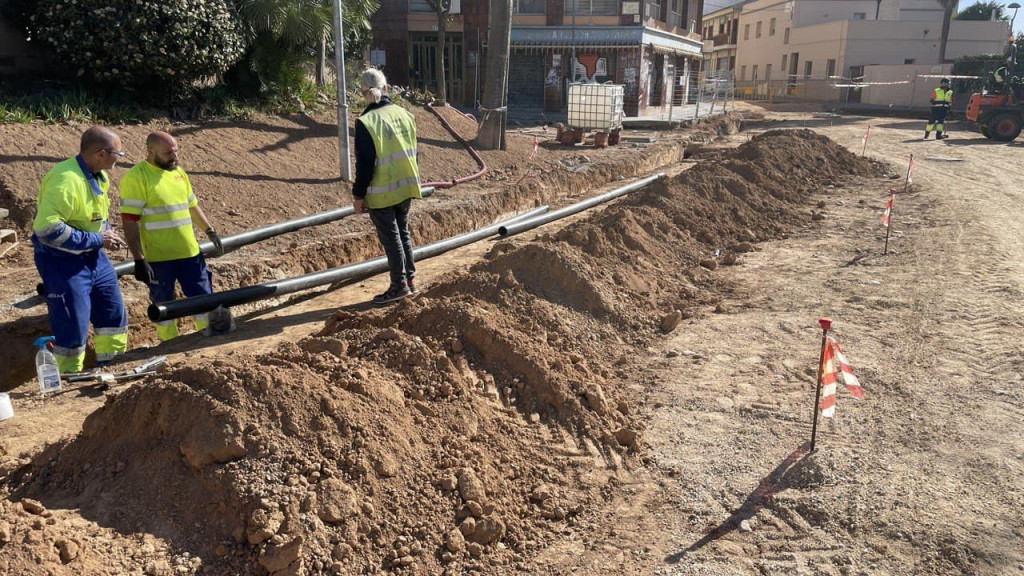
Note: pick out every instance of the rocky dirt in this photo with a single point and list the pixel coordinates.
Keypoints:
(624, 392)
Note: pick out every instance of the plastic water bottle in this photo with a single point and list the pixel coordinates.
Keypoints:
(46, 366)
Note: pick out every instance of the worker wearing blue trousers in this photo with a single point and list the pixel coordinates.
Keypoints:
(70, 233)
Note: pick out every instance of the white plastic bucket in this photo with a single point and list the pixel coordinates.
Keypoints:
(6, 410)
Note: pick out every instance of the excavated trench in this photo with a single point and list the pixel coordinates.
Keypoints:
(447, 213)
(459, 430)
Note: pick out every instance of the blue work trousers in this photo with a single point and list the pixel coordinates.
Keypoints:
(79, 289)
(392, 224)
(195, 280)
(191, 273)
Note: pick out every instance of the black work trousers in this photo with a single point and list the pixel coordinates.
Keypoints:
(392, 224)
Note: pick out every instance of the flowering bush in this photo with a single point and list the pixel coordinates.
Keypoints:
(143, 45)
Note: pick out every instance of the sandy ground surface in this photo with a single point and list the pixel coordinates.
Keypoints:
(628, 391)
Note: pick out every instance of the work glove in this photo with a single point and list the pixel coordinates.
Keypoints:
(144, 272)
(218, 246)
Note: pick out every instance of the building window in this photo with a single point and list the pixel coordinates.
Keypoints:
(743, 72)
(592, 7)
(757, 33)
(420, 6)
(754, 74)
(785, 59)
(768, 72)
(830, 68)
(529, 7)
(654, 9)
(785, 36)
(771, 27)
(721, 27)
(746, 31)
(676, 14)
(910, 60)
(808, 66)
(859, 15)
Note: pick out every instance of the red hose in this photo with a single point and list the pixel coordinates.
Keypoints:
(472, 152)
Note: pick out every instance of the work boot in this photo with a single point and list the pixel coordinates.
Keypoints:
(393, 293)
(412, 285)
(940, 136)
(926, 133)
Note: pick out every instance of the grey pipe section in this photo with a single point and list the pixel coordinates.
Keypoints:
(207, 302)
(237, 240)
(524, 225)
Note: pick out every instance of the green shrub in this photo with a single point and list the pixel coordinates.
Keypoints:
(155, 46)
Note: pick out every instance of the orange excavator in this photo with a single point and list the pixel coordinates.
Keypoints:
(999, 109)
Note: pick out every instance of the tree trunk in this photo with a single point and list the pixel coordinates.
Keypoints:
(442, 30)
(948, 6)
(321, 62)
(492, 130)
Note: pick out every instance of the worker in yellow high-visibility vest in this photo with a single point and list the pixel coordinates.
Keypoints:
(387, 179)
(941, 100)
(69, 235)
(158, 208)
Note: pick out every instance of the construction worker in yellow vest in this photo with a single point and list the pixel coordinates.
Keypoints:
(70, 236)
(942, 99)
(387, 179)
(158, 208)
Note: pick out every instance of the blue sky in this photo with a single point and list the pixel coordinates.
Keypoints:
(1018, 23)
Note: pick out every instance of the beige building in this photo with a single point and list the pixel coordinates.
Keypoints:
(807, 46)
(719, 29)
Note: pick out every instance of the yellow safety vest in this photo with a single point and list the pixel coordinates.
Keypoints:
(396, 175)
(161, 198)
(942, 97)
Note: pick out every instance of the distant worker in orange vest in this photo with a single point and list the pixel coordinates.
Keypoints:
(942, 99)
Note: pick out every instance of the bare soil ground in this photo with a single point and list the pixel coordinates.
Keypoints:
(624, 392)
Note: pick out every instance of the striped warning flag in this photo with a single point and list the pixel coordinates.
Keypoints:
(834, 369)
(535, 144)
(910, 170)
(864, 139)
(888, 207)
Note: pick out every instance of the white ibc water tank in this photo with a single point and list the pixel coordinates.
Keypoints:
(595, 106)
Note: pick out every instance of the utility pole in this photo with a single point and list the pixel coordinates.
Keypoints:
(492, 129)
(572, 48)
(344, 157)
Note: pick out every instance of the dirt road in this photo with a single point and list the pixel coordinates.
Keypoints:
(925, 475)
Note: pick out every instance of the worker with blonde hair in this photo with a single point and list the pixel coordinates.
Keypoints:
(387, 179)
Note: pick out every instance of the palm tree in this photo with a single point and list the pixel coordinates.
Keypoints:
(286, 33)
(948, 8)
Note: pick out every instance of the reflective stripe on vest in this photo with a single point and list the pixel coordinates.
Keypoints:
(396, 175)
(940, 95)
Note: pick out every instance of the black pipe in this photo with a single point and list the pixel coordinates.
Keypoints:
(524, 225)
(207, 302)
(245, 237)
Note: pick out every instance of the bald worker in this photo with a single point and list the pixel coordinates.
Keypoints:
(69, 235)
(159, 207)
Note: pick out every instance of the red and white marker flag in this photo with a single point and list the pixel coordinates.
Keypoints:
(864, 140)
(910, 170)
(535, 144)
(888, 207)
(835, 368)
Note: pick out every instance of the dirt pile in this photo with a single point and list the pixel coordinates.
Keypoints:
(459, 430)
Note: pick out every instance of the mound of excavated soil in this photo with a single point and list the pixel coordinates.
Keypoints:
(461, 429)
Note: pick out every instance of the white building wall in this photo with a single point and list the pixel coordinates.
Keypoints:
(861, 43)
(916, 92)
